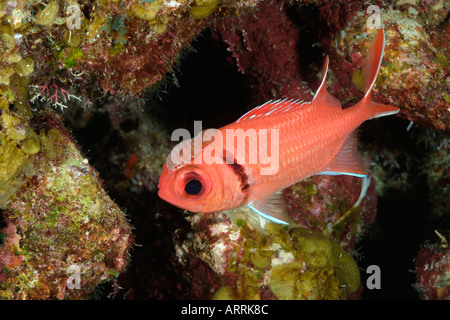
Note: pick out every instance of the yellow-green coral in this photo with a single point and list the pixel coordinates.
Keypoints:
(146, 11)
(15, 70)
(294, 263)
(95, 26)
(5, 75)
(203, 8)
(12, 123)
(14, 160)
(72, 38)
(319, 269)
(7, 42)
(357, 80)
(224, 293)
(48, 15)
(319, 252)
(31, 145)
(159, 25)
(6, 96)
(24, 67)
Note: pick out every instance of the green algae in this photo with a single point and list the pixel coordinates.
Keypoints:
(48, 15)
(73, 57)
(6, 97)
(18, 142)
(224, 293)
(203, 8)
(260, 260)
(13, 162)
(292, 262)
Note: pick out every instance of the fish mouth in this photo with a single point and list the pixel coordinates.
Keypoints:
(175, 203)
(162, 195)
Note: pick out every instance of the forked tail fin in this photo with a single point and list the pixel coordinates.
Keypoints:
(370, 71)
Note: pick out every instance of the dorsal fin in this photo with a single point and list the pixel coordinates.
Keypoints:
(272, 107)
(322, 93)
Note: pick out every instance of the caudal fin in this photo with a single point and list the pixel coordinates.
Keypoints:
(370, 71)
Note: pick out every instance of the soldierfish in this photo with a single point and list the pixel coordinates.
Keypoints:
(317, 137)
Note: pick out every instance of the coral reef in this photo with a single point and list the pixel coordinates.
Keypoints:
(110, 68)
(410, 166)
(55, 216)
(61, 55)
(414, 73)
(120, 47)
(433, 271)
(265, 46)
(326, 204)
(401, 163)
(254, 262)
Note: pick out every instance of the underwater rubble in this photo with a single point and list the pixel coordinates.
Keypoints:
(89, 94)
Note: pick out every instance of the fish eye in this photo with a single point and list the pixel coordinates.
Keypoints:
(193, 187)
(192, 184)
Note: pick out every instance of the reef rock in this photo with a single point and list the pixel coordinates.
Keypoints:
(61, 233)
(247, 257)
(433, 271)
(120, 47)
(415, 68)
(326, 204)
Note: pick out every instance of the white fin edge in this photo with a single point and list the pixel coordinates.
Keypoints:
(267, 216)
(365, 68)
(364, 187)
(332, 173)
(324, 78)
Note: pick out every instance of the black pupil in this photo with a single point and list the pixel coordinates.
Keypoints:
(193, 187)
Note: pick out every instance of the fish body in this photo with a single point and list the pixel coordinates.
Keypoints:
(276, 145)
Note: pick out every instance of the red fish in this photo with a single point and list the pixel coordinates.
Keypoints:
(309, 138)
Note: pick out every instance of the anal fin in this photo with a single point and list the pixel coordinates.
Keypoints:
(347, 161)
(272, 208)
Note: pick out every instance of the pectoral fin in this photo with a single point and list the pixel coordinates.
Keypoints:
(272, 208)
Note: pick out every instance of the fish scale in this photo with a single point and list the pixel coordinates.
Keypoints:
(306, 145)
